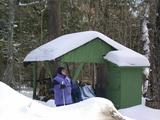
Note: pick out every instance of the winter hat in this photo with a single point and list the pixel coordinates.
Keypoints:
(59, 70)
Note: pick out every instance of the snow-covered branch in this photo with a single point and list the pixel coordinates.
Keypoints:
(31, 3)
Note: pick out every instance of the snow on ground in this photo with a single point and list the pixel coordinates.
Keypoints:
(27, 91)
(141, 112)
(15, 106)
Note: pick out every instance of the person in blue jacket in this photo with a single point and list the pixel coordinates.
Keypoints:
(62, 88)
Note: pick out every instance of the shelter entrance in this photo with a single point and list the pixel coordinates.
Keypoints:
(90, 73)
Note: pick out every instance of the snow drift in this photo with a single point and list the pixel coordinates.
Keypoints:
(15, 106)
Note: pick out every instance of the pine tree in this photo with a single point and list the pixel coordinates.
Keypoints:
(8, 75)
(54, 20)
(154, 82)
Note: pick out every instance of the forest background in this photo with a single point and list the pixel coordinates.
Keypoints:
(27, 24)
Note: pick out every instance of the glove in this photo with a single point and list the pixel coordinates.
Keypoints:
(62, 86)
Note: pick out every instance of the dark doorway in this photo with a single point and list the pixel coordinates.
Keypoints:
(101, 77)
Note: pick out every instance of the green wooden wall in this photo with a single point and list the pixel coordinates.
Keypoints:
(91, 52)
(131, 86)
(124, 85)
(113, 85)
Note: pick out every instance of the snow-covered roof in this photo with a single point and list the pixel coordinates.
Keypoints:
(126, 58)
(66, 43)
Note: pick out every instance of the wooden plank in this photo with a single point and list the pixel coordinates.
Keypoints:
(131, 86)
(113, 85)
(91, 52)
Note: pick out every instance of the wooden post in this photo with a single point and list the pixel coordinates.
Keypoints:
(78, 70)
(50, 69)
(69, 73)
(34, 80)
(51, 72)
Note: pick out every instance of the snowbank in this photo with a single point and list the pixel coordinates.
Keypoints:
(11, 99)
(141, 112)
(15, 106)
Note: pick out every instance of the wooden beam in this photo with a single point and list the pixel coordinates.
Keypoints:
(49, 69)
(78, 71)
(69, 73)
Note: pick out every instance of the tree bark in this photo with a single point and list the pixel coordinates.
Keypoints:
(54, 20)
(154, 88)
(8, 76)
(146, 44)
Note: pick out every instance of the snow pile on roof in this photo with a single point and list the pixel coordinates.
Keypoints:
(14, 106)
(126, 58)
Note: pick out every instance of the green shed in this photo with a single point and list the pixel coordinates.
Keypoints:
(118, 68)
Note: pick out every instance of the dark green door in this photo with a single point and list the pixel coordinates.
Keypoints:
(101, 80)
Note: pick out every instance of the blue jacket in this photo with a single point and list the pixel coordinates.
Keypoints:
(62, 94)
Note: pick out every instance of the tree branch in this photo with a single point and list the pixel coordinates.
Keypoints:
(31, 3)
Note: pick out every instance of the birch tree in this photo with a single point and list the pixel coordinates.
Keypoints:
(146, 44)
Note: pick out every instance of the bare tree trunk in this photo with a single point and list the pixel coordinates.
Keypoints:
(54, 30)
(8, 75)
(54, 26)
(154, 88)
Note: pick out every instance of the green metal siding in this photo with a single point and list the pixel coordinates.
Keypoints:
(91, 52)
